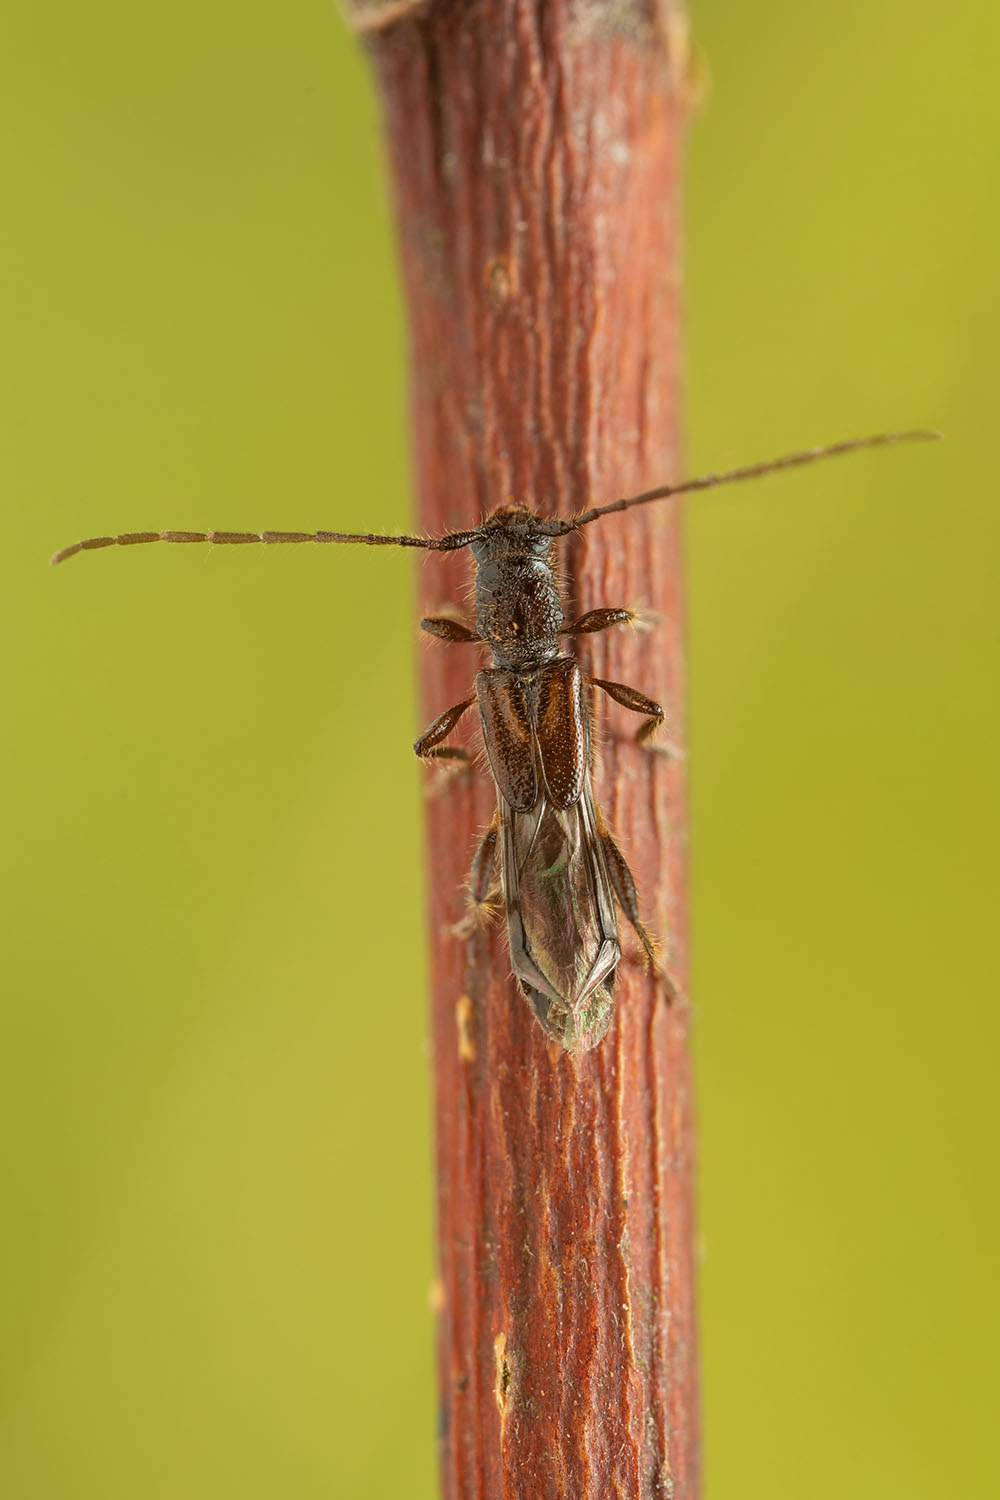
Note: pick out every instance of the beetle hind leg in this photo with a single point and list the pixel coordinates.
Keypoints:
(482, 908)
(624, 888)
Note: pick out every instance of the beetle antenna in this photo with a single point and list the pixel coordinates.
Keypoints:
(751, 471)
(447, 543)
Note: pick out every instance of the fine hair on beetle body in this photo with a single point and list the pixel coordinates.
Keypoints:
(563, 877)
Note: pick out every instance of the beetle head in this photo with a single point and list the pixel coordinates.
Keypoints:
(510, 535)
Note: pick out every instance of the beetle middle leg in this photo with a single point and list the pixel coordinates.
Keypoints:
(637, 702)
(428, 746)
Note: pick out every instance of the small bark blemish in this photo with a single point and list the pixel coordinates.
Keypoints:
(501, 280)
(665, 1483)
(502, 1387)
(466, 1036)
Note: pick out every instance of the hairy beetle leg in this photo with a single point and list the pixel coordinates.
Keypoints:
(457, 758)
(624, 888)
(665, 748)
(599, 619)
(636, 702)
(457, 754)
(447, 629)
(442, 726)
(454, 769)
(481, 909)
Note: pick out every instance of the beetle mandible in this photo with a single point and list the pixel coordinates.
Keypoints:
(561, 871)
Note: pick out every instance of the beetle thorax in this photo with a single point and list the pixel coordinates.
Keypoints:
(518, 608)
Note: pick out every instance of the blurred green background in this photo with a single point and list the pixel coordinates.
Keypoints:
(216, 1174)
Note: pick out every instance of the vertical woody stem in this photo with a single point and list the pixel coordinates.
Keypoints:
(535, 151)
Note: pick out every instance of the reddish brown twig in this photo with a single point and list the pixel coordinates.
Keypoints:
(535, 156)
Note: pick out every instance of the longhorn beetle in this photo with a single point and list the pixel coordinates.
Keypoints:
(561, 870)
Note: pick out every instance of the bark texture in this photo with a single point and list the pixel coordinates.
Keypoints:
(535, 153)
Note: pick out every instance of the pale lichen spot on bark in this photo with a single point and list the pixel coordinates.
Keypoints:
(632, 20)
(466, 1036)
(501, 282)
(663, 1484)
(606, 130)
(504, 1379)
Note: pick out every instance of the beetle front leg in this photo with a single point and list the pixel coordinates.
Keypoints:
(447, 629)
(599, 619)
(426, 747)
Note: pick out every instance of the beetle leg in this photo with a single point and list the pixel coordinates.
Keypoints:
(481, 909)
(455, 753)
(447, 629)
(452, 772)
(599, 619)
(624, 888)
(624, 885)
(637, 702)
(440, 730)
(484, 862)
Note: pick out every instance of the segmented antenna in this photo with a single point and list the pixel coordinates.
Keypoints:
(750, 471)
(451, 541)
(446, 543)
